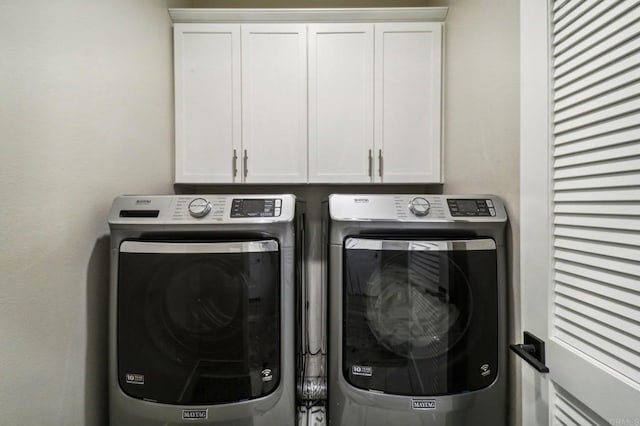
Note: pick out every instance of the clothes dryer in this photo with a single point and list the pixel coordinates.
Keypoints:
(418, 316)
(202, 309)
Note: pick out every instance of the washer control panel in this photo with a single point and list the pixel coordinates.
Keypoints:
(256, 207)
(204, 209)
(466, 207)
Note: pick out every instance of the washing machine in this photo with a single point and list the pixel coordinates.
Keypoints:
(202, 309)
(418, 310)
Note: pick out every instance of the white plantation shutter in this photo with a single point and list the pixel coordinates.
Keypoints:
(566, 410)
(595, 303)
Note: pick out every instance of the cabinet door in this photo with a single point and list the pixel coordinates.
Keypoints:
(340, 103)
(408, 102)
(274, 103)
(207, 102)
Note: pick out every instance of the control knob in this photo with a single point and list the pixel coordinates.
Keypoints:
(419, 206)
(199, 207)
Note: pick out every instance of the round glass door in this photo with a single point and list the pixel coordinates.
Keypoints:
(201, 304)
(410, 308)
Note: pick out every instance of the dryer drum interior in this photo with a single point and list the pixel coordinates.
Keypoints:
(202, 321)
(412, 309)
(420, 317)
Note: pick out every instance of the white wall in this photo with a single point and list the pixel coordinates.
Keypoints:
(86, 114)
(482, 125)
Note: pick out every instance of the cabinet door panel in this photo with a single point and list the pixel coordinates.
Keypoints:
(408, 102)
(207, 101)
(340, 102)
(274, 102)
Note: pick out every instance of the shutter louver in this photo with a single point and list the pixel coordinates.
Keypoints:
(568, 411)
(596, 184)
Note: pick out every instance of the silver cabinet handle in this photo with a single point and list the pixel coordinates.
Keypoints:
(246, 163)
(235, 163)
(380, 162)
(370, 163)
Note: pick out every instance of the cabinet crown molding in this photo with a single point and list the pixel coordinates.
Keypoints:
(378, 14)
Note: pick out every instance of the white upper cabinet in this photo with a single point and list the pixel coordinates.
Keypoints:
(408, 102)
(318, 95)
(274, 103)
(388, 131)
(340, 103)
(207, 101)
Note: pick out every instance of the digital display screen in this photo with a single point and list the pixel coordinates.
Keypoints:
(256, 207)
(467, 206)
(253, 206)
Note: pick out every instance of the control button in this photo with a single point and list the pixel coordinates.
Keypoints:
(277, 212)
(278, 203)
(199, 207)
(419, 206)
(489, 203)
(492, 211)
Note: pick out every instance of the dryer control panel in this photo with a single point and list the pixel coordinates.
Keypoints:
(416, 208)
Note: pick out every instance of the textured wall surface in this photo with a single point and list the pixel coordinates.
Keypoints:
(482, 120)
(86, 114)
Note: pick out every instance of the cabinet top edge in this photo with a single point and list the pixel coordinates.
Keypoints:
(378, 14)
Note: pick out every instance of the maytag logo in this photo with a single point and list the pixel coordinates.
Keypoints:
(423, 404)
(201, 414)
(360, 200)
